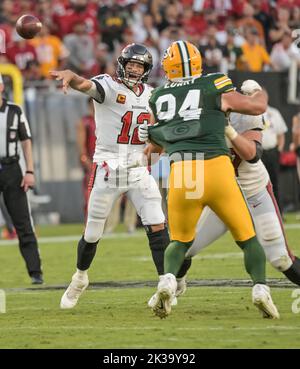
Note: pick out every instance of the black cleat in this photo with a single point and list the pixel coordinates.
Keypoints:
(37, 279)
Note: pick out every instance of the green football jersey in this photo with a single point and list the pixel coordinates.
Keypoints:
(188, 116)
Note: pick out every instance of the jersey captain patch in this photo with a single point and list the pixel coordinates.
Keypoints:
(121, 99)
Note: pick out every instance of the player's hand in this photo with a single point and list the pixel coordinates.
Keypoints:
(65, 76)
(250, 86)
(28, 181)
(143, 132)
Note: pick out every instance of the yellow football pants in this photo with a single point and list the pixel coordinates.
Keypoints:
(195, 184)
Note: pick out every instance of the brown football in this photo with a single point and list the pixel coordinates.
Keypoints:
(28, 26)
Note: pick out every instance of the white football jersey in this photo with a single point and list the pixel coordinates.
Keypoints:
(117, 119)
(253, 178)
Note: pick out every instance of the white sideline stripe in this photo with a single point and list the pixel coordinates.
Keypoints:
(273, 327)
(73, 238)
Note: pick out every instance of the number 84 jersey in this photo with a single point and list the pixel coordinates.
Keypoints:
(118, 113)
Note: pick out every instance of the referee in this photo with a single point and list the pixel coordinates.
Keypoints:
(15, 132)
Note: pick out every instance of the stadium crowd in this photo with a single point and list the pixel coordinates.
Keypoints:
(87, 35)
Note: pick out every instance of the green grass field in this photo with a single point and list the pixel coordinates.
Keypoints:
(118, 317)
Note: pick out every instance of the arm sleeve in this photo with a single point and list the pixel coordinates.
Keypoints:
(100, 89)
(23, 127)
(222, 83)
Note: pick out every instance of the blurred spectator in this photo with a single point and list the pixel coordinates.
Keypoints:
(233, 53)
(20, 52)
(281, 25)
(86, 140)
(32, 71)
(80, 11)
(81, 47)
(212, 52)
(273, 141)
(193, 23)
(51, 52)
(112, 23)
(294, 22)
(248, 21)
(255, 55)
(169, 35)
(284, 52)
(169, 16)
(263, 17)
(147, 30)
(296, 139)
(103, 58)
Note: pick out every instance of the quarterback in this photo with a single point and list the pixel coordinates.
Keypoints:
(189, 117)
(121, 104)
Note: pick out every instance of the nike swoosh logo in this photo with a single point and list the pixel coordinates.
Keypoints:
(255, 205)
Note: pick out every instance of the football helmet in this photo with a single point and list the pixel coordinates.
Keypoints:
(137, 53)
(182, 60)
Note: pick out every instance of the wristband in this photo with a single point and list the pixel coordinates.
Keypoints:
(29, 172)
(230, 132)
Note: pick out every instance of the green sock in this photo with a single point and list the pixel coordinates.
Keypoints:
(254, 259)
(175, 255)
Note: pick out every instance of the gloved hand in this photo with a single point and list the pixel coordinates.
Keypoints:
(250, 86)
(230, 132)
(143, 132)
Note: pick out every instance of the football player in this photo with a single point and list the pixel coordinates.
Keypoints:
(121, 104)
(257, 188)
(189, 113)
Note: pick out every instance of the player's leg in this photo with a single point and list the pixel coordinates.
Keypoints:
(229, 204)
(270, 233)
(100, 202)
(146, 199)
(184, 211)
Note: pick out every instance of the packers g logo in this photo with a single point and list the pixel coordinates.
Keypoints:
(181, 130)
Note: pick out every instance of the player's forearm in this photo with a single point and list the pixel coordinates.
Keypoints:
(245, 148)
(79, 83)
(27, 150)
(256, 104)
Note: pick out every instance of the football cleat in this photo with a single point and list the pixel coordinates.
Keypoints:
(181, 286)
(154, 300)
(262, 299)
(73, 292)
(165, 294)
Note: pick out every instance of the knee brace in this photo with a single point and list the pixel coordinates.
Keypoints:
(282, 263)
(94, 230)
(158, 242)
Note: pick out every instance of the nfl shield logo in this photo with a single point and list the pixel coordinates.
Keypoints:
(121, 99)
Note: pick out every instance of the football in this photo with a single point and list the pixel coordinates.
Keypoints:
(28, 26)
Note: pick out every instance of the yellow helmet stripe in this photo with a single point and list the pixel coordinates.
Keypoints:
(184, 58)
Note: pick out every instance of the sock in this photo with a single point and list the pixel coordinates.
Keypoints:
(184, 268)
(158, 241)
(175, 255)
(254, 259)
(81, 273)
(85, 254)
(293, 273)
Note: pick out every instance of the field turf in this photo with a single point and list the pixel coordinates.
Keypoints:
(216, 311)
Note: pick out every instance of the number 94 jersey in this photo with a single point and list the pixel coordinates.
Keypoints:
(189, 117)
(118, 114)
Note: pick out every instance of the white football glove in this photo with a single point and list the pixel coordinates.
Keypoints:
(250, 86)
(143, 132)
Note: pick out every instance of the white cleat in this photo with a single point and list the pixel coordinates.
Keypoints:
(73, 292)
(181, 286)
(262, 299)
(165, 295)
(154, 300)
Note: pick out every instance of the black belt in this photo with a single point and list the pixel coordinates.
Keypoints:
(9, 160)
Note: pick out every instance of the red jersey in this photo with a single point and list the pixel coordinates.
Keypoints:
(21, 55)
